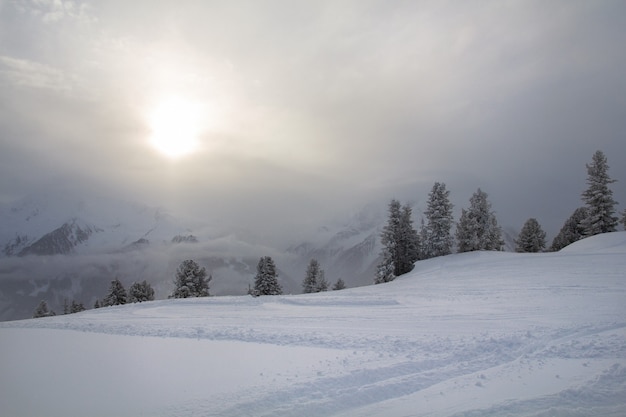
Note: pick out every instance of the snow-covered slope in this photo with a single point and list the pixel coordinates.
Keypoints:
(474, 334)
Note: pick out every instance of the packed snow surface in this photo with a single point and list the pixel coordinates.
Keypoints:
(474, 334)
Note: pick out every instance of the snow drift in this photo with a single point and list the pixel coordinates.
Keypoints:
(473, 334)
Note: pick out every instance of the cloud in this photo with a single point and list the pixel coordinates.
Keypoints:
(25, 73)
(316, 107)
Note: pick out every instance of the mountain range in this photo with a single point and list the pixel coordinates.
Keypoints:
(63, 248)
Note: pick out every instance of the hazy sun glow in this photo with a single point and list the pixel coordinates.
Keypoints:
(176, 124)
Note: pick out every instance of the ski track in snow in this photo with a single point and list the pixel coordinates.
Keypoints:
(478, 334)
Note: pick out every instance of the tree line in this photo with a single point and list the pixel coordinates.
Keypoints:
(403, 245)
(478, 229)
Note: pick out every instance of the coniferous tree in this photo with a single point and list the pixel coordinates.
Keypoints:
(599, 198)
(140, 292)
(573, 229)
(116, 295)
(43, 311)
(532, 238)
(66, 306)
(191, 280)
(624, 219)
(400, 244)
(77, 307)
(408, 242)
(266, 280)
(439, 222)
(96, 304)
(322, 284)
(339, 285)
(478, 227)
(309, 285)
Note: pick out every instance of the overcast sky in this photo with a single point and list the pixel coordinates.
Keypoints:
(305, 110)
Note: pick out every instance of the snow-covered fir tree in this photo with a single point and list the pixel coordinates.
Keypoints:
(599, 198)
(96, 304)
(532, 238)
(140, 292)
(573, 230)
(309, 284)
(191, 280)
(478, 228)
(408, 243)
(116, 295)
(339, 285)
(322, 284)
(400, 244)
(436, 239)
(77, 307)
(266, 279)
(42, 310)
(624, 219)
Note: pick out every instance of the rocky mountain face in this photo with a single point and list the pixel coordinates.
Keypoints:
(60, 241)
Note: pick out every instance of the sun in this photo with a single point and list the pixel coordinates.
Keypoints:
(175, 124)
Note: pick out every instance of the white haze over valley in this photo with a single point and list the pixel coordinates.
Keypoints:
(472, 334)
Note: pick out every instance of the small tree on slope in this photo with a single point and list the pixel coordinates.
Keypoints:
(478, 227)
(322, 284)
(599, 198)
(400, 244)
(116, 295)
(42, 310)
(140, 292)
(191, 281)
(266, 279)
(339, 285)
(531, 238)
(309, 284)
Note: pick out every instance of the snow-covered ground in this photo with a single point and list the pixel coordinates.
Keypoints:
(475, 334)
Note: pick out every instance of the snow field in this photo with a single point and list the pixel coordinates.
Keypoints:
(473, 334)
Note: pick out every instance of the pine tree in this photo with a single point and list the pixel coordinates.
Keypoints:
(322, 284)
(400, 244)
(624, 219)
(478, 227)
(339, 285)
(531, 238)
(191, 280)
(77, 307)
(116, 295)
(439, 222)
(96, 304)
(43, 311)
(309, 285)
(599, 198)
(266, 280)
(66, 306)
(573, 230)
(408, 247)
(140, 292)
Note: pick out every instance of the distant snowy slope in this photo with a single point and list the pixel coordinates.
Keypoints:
(473, 334)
